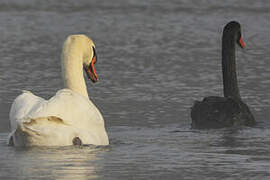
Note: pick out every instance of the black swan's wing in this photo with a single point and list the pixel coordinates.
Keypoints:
(219, 112)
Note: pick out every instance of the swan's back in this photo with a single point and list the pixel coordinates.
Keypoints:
(57, 121)
(219, 112)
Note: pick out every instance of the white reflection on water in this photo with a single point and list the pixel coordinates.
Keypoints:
(51, 162)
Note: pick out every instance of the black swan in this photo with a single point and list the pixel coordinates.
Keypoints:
(230, 110)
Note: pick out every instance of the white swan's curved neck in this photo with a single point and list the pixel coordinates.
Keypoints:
(72, 67)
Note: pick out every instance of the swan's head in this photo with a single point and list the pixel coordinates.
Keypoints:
(89, 60)
(81, 48)
(233, 29)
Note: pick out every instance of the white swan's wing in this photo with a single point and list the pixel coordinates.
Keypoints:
(21, 106)
(60, 119)
(73, 108)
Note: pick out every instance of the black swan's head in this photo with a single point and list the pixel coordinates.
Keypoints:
(233, 29)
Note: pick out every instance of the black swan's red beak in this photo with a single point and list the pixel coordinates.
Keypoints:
(241, 43)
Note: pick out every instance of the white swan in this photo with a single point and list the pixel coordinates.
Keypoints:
(67, 118)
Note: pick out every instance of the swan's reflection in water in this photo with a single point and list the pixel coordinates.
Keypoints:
(71, 162)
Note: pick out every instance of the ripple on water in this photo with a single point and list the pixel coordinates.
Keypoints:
(155, 59)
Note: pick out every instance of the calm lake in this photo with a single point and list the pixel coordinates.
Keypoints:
(154, 59)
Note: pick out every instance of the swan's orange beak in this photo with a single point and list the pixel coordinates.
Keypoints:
(90, 70)
(241, 43)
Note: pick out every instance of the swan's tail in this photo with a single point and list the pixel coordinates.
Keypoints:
(34, 131)
(22, 135)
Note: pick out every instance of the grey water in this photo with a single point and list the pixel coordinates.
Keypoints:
(155, 58)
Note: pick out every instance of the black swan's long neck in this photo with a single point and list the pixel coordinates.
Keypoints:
(230, 86)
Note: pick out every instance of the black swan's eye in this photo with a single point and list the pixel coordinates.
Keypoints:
(77, 141)
(238, 36)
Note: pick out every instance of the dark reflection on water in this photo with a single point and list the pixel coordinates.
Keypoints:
(155, 59)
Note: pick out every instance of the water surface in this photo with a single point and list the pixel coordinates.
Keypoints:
(155, 59)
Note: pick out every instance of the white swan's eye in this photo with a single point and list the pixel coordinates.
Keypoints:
(77, 141)
(94, 55)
